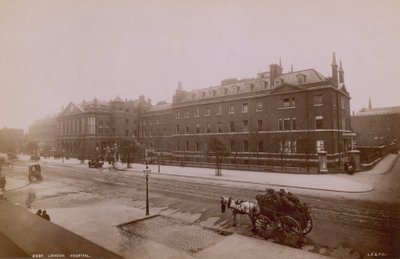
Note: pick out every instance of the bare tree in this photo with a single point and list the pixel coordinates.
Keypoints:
(219, 150)
(282, 151)
(306, 146)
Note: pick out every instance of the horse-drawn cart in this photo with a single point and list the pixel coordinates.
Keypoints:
(282, 216)
(35, 172)
(278, 215)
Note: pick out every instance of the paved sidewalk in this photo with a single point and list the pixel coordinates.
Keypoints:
(85, 237)
(355, 183)
(32, 235)
(325, 182)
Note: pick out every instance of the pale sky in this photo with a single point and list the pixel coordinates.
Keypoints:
(54, 52)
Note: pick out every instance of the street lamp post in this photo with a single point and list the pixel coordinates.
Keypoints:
(159, 161)
(147, 172)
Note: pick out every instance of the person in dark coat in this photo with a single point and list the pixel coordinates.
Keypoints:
(39, 213)
(45, 215)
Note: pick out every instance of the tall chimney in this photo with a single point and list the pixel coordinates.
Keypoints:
(341, 73)
(334, 69)
(274, 72)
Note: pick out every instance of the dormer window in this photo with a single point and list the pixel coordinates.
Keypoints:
(301, 78)
(214, 93)
(251, 87)
(225, 91)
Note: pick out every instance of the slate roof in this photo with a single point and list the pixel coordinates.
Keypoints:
(311, 76)
(262, 82)
(379, 111)
(160, 107)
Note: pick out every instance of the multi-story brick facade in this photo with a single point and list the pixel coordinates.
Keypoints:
(91, 127)
(377, 126)
(295, 114)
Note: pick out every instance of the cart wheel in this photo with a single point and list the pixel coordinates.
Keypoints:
(263, 224)
(308, 227)
(291, 230)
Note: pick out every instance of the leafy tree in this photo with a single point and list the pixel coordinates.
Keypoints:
(129, 147)
(32, 147)
(219, 150)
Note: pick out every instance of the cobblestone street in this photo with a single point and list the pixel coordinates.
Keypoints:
(188, 222)
(174, 233)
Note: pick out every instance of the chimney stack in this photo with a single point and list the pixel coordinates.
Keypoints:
(334, 70)
(341, 74)
(274, 72)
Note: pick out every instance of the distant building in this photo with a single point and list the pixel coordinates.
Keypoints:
(294, 114)
(377, 126)
(11, 139)
(43, 132)
(93, 127)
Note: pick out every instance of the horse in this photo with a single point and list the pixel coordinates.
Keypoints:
(240, 207)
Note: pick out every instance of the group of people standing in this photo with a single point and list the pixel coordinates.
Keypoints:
(43, 214)
(281, 200)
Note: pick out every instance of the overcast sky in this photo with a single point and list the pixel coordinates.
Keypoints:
(54, 52)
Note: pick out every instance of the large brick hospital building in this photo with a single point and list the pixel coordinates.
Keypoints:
(294, 114)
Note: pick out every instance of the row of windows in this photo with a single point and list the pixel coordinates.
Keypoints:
(289, 102)
(287, 124)
(285, 146)
(290, 123)
(150, 122)
(225, 91)
(231, 110)
(219, 129)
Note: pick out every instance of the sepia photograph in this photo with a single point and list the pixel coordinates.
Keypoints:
(208, 129)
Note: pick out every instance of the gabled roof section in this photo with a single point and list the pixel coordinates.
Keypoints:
(310, 76)
(118, 99)
(72, 109)
(262, 82)
(285, 87)
(93, 103)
